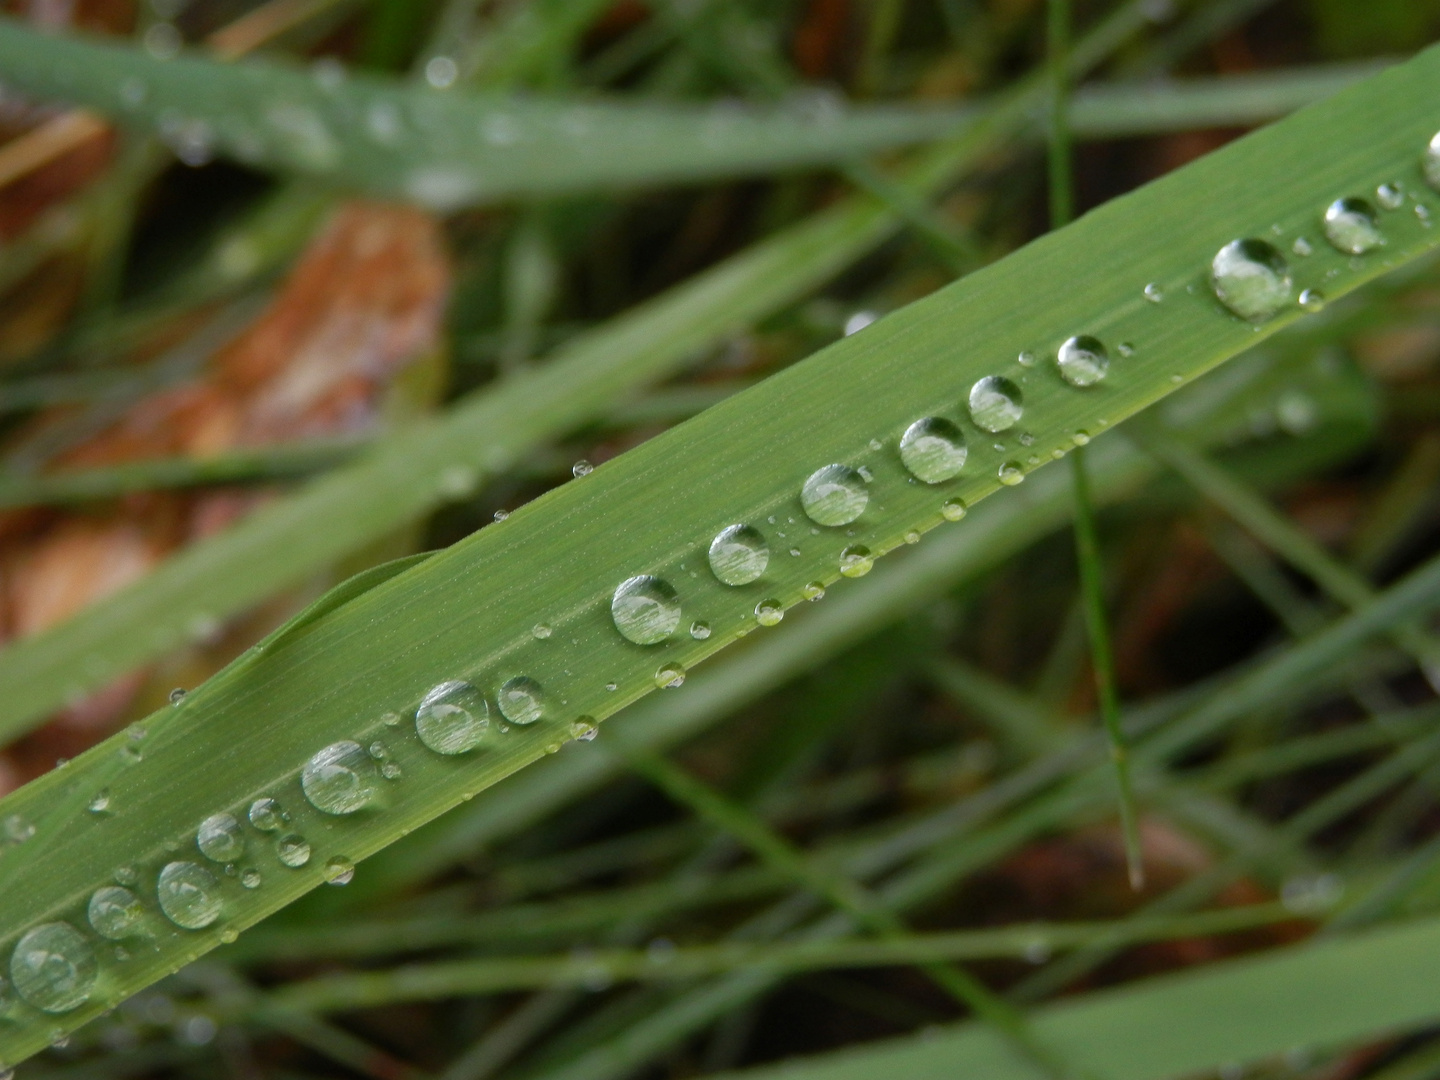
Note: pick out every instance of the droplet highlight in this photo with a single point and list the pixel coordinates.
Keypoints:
(1083, 360)
(189, 895)
(453, 718)
(834, 495)
(996, 403)
(340, 779)
(933, 450)
(1350, 226)
(53, 968)
(645, 609)
(219, 838)
(1251, 278)
(521, 700)
(738, 555)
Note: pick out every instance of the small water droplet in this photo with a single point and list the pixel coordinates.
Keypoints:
(953, 509)
(834, 495)
(293, 851)
(813, 590)
(268, 815)
(1082, 438)
(541, 632)
(1302, 247)
(1154, 292)
(339, 779)
(1251, 279)
(177, 695)
(127, 875)
(219, 838)
(1312, 300)
(769, 612)
(1350, 226)
(453, 718)
(441, 72)
(1011, 474)
(17, 830)
(1431, 163)
(699, 630)
(99, 802)
(1390, 196)
(251, 878)
(645, 609)
(114, 912)
(1422, 214)
(669, 676)
(738, 554)
(933, 449)
(53, 968)
(339, 870)
(521, 700)
(996, 403)
(584, 729)
(1125, 348)
(501, 515)
(582, 468)
(612, 686)
(391, 770)
(189, 895)
(1082, 360)
(856, 561)
(912, 537)
(859, 321)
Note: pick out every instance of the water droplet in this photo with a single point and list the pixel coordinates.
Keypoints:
(1302, 247)
(1422, 214)
(1026, 358)
(53, 968)
(541, 631)
(953, 509)
(17, 830)
(834, 495)
(1350, 226)
(584, 729)
(670, 676)
(856, 561)
(1011, 474)
(995, 403)
(1431, 163)
(699, 630)
(581, 468)
(339, 870)
(268, 815)
(453, 718)
(339, 779)
(521, 700)
(501, 515)
(391, 770)
(859, 321)
(127, 875)
(1390, 196)
(441, 72)
(813, 590)
(1251, 279)
(1312, 300)
(99, 802)
(912, 537)
(177, 695)
(220, 839)
(293, 851)
(1082, 360)
(612, 686)
(1154, 292)
(645, 609)
(1296, 413)
(114, 912)
(251, 878)
(189, 895)
(1082, 438)
(739, 554)
(769, 612)
(933, 449)
(1125, 348)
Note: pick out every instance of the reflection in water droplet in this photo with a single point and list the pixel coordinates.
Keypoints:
(699, 630)
(293, 851)
(1082, 360)
(220, 839)
(996, 403)
(1251, 279)
(933, 449)
(541, 632)
(834, 495)
(1390, 196)
(953, 509)
(856, 561)
(670, 676)
(1011, 474)
(1154, 292)
(1026, 358)
(739, 554)
(645, 609)
(813, 590)
(453, 718)
(267, 815)
(339, 779)
(339, 870)
(1312, 300)
(251, 878)
(1302, 247)
(100, 802)
(53, 968)
(582, 468)
(114, 912)
(189, 895)
(769, 612)
(584, 728)
(1350, 226)
(521, 700)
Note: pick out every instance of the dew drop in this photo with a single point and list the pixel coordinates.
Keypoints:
(670, 676)
(912, 537)
(769, 612)
(1302, 247)
(739, 554)
(339, 779)
(834, 495)
(293, 851)
(699, 630)
(189, 895)
(1422, 214)
(339, 870)
(1026, 358)
(1350, 226)
(268, 815)
(177, 695)
(612, 686)
(219, 838)
(251, 878)
(99, 802)
(1154, 292)
(581, 468)
(1390, 196)
(1431, 163)
(441, 72)
(501, 515)
(856, 561)
(453, 718)
(1125, 348)
(53, 968)
(1312, 300)
(859, 321)
(933, 449)
(521, 700)
(1251, 279)
(584, 728)
(541, 632)
(995, 403)
(645, 609)
(114, 912)
(391, 770)
(1082, 438)
(17, 830)
(1296, 413)
(1082, 360)
(127, 875)
(1011, 474)
(953, 509)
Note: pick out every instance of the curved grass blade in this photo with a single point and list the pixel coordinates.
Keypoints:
(531, 597)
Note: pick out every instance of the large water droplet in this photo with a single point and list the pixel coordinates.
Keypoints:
(1350, 226)
(1251, 279)
(293, 851)
(1082, 360)
(189, 895)
(339, 870)
(933, 449)
(220, 839)
(996, 403)
(521, 700)
(53, 968)
(856, 561)
(834, 495)
(646, 609)
(453, 718)
(114, 912)
(340, 779)
(739, 554)
(268, 815)
(769, 612)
